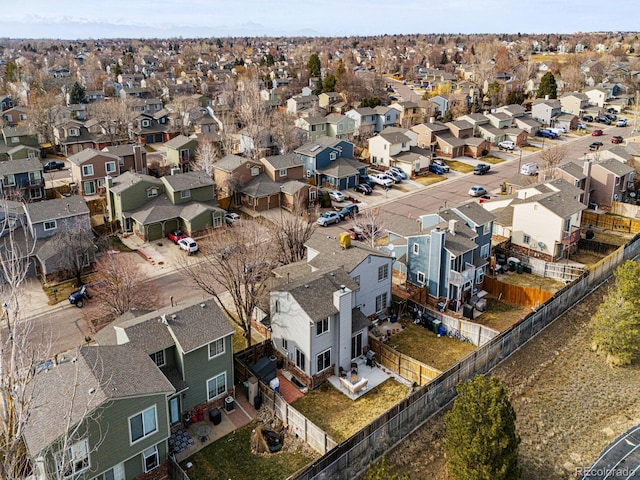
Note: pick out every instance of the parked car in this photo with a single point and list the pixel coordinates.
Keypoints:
(529, 169)
(336, 196)
(506, 145)
(356, 233)
(595, 146)
(365, 179)
(348, 211)
(558, 130)
(546, 134)
(399, 171)
(596, 133)
(437, 169)
(231, 217)
(621, 122)
(381, 179)
(477, 191)
(188, 244)
(52, 165)
(396, 177)
(603, 119)
(442, 164)
(611, 110)
(176, 236)
(363, 188)
(587, 118)
(611, 116)
(327, 218)
(581, 126)
(78, 297)
(616, 139)
(481, 169)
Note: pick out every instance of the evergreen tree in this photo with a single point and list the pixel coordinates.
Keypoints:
(11, 72)
(473, 50)
(547, 86)
(371, 102)
(329, 83)
(481, 442)
(314, 66)
(616, 323)
(443, 58)
(77, 94)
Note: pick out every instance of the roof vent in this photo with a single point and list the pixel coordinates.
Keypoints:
(306, 285)
(174, 316)
(342, 287)
(74, 359)
(202, 305)
(92, 390)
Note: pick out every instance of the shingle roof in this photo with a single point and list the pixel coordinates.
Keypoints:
(121, 150)
(129, 179)
(394, 135)
(287, 160)
(89, 154)
(99, 375)
(178, 141)
(332, 255)
(57, 208)
(616, 167)
(474, 212)
(13, 167)
(229, 163)
(341, 168)
(188, 180)
(261, 186)
(574, 170)
(161, 208)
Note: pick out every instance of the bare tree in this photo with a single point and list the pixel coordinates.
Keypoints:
(285, 132)
(182, 105)
(114, 117)
(551, 158)
(42, 114)
(253, 114)
(76, 249)
(370, 225)
(207, 154)
(236, 261)
(121, 286)
(292, 231)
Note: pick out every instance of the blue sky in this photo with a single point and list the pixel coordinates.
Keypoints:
(72, 19)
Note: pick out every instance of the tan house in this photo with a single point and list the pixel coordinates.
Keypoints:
(280, 168)
(426, 133)
(89, 169)
(608, 181)
(132, 157)
(574, 102)
(232, 171)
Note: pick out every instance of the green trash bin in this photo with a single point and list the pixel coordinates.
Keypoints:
(245, 387)
(436, 326)
(520, 267)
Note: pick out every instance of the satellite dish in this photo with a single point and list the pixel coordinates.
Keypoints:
(541, 245)
(615, 197)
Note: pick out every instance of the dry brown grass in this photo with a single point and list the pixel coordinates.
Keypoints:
(460, 166)
(341, 417)
(492, 160)
(500, 316)
(430, 179)
(425, 346)
(530, 148)
(532, 281)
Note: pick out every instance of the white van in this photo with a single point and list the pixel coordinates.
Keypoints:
(529, 169)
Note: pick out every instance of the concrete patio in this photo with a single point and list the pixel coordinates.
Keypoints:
(374, 375)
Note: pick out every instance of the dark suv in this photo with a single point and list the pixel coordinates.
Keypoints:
(481, 169)
(348, 211)
(603, 119)
(587, 118)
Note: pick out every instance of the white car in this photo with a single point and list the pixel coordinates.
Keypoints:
(477, 191)
(396, 177)
(336, 196)
(399, 171)
(442, 164)
(188, 244)
(230, 218)
(381, 179)
(328, 218)
(506, 145)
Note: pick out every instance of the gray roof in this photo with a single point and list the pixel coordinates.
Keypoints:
(121, 150)
(394, 135)
(343, 168)
(314, 292)
(261, 186)
(280, 162)
(401, 225)
(188, 180)
(160, 208)
(100, 374)
(451, 140)
(179, 141)
(229, 163)
(129, 179)
(574, 170)
(293, 270)
(412, 155)
(456, 244)
(89, 154)
(57, 208)
(332, 255)
(616, 167)
(359, 320)
(12, 167)
(475, 213)
(310, 149)
(561, 203)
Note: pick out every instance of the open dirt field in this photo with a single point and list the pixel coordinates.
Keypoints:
(569, 404)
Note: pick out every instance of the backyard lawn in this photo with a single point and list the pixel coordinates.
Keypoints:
(425, 346)
(339, 416)
(231, 457)
(429, 179)
(500, 315)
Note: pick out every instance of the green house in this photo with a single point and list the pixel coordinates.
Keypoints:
(181, 152)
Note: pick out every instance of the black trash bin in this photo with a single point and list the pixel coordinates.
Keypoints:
(215, 416)
(257, 402)
(245, 387)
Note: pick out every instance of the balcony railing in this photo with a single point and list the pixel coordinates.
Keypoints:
(572, 236)
(461, 278)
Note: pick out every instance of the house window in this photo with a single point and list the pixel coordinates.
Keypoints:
(216, 348)
(185, 194)
(145, 123)
(374, 159)
(35, 194)
(151, 458)
(143, 424)
(322, 127)
(480, 275)
(313, 128)
(567, 224)
(101, 183)
(526, 239)
(283, 172)
(332, 156)
(323, 361)
(50, 225)
(357, 279)
(10, 179)
(381, 302)
(115, 473)
(255, 171)
(300, 360)
(340, 127)
(617, 180)
(152, 192)
(285, 344)
(87, 170)
(110, 167)
(73, 132)
(89, 188)
(322, 326)
(32, 154)
(217, 386)
(312, 195)
(158, 357)
(383, 272)
(76, 459)
(217, 221)
(421, 278)
(385, 146)
(486, 228)
(277, 306)
(484, 250)
(416, 248)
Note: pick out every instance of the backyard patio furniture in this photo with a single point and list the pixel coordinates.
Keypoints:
(354, 384)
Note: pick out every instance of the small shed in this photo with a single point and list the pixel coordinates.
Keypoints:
(265, 369)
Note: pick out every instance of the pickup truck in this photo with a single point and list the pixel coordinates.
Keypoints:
(52, 165)
(381, 179)
(546, 134)
(506, 145)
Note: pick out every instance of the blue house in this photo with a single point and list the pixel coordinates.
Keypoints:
(447, 252)
(329, 162)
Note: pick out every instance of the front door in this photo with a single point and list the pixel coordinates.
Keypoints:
(356, 345)
(174, 410)
(128, 224)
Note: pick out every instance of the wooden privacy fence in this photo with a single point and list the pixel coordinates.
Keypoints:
(515, 294)
(611, 222)
(402, 364)
(478, 334)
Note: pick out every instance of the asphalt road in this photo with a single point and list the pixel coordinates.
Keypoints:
(620, 460)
